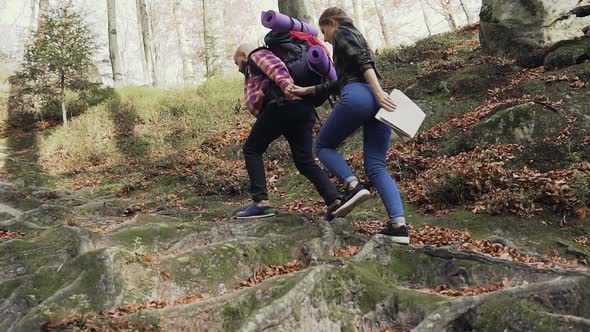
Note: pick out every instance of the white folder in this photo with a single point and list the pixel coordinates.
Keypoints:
(407, 118)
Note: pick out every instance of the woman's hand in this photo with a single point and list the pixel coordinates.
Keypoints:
(300, 91)
(289, 94)
(386, 102)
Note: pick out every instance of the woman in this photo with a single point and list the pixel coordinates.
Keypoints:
(361, 96)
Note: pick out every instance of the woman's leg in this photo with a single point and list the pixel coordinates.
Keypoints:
(376, 144)
(348, 115)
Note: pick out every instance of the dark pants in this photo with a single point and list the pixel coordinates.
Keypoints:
(295, 121)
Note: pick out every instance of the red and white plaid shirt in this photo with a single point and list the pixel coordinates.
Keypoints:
(273, 69)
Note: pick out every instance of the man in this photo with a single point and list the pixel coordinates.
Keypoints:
(278, 113)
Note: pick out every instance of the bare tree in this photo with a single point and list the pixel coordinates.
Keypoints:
(445, 8)
(296, 8)
(183, 43)
(358, 16)
(466, 11)
(43, 12)
(384, 31)
(449, 13)
(33, 6)
(159, 78)
(426, 19)
(113, 46)
(149, 73)
(213, 28)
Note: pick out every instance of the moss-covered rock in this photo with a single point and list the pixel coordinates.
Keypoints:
(37, 252)
(479, 79)
(528, 123)
(519, 125)
(568, 53)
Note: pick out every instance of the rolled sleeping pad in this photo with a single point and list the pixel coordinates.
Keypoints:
(282, 23)
(320, 63)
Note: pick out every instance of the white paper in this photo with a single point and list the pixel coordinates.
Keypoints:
(407, 118)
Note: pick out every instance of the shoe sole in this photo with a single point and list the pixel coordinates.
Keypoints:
(400, 239)
(258, 216)
(357, 199)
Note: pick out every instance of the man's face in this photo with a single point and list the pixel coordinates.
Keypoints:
(240, 59)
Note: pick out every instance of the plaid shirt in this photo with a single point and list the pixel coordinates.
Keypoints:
(272, 69)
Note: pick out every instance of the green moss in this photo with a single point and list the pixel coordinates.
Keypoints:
(440, 108)
(511, 315)
(235, 313)
(28, 204)
(290, 225)
(479, 79)
(522, 124)
(539, 233)
(568, 53)
(148, 234)
(81, 279)
(415, 267)
(44, 284)
(229, 263)
(49, 248)
(8, 287)
(379, 282)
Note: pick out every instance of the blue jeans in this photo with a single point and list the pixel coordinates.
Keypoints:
(357, 107)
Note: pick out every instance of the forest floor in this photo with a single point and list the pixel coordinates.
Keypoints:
(123, 219)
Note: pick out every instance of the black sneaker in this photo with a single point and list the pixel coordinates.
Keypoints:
(355, 197)
(398, 234)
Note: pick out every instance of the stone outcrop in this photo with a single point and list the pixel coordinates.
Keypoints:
(519, 27)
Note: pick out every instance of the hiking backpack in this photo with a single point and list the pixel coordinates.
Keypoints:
(291, 48)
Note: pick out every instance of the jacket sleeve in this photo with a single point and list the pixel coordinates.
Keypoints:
(328, 88)
(351, 48)
(273, 67)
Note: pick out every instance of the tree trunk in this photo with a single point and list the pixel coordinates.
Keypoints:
(149, 74)
(113, 47)
(466, 11)
(43, 12)
(358, 16)
(159, 78)
(426, 19)
(384, 31)
(33, 14)
(213, 32)
(62, 85)
(296, 8)
(206, 54)
(183, 44)
(449, 14)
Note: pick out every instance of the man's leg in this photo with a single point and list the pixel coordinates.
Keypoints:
(299, 134)
(264, 131)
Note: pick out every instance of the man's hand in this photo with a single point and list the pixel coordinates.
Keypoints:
(386, 102)
(300, 91)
